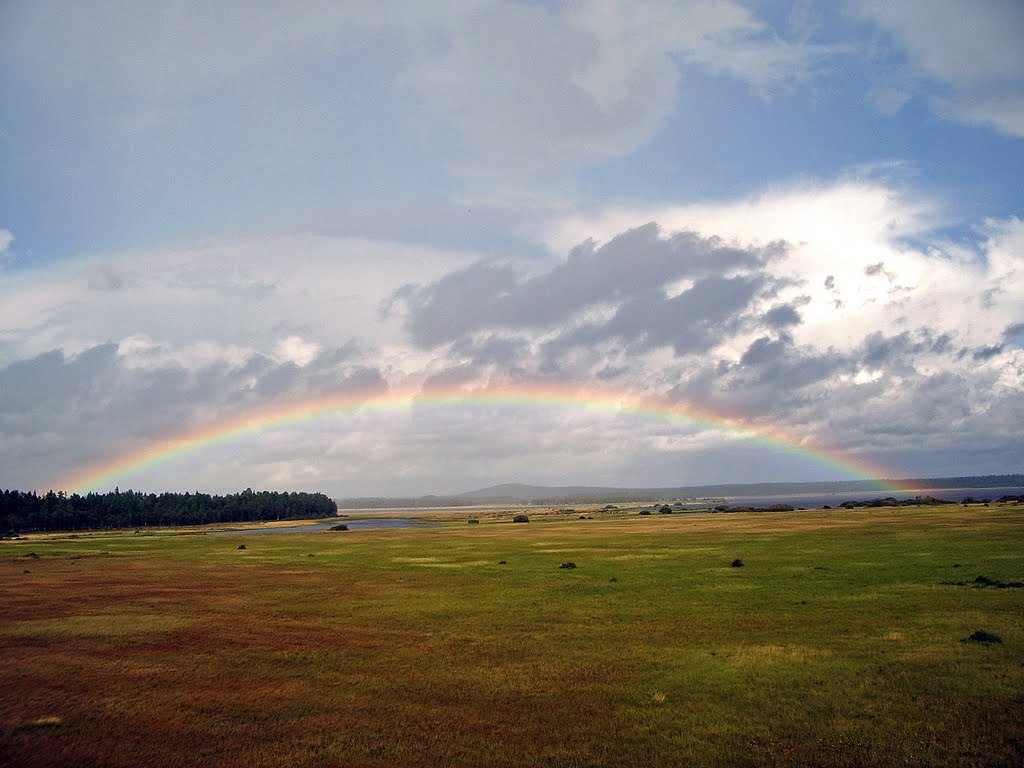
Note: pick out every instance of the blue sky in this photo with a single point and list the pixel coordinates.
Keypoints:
(213, 207)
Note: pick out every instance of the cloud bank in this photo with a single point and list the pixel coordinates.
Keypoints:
(901, 348)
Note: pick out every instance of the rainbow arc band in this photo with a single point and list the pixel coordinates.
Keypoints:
(115, 471)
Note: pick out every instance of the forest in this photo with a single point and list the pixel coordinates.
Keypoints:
(29, 512)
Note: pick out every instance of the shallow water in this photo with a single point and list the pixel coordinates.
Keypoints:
(353, 525)
(817, 500)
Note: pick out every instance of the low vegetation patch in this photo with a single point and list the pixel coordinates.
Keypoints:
(983, 636)
(737, 563)
(568, 564)
(406, 647)
(984, 581)
(521, 519)
(981, 582)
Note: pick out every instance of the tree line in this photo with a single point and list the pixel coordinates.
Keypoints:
(28, 512)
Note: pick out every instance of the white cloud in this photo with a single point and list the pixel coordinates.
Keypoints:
(835, 231)
(172, 49)
(295, 349)
(238, 295)
(866, 330)
(971, 50)
(549, 90)
(6, 256)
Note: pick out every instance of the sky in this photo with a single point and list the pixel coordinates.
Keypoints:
(801, 221)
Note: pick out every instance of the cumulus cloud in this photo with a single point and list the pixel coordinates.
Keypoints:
(972, 53)
(297, 350)
(831, 309)
(626, 278)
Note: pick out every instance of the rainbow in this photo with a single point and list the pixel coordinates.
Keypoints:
(106, 474)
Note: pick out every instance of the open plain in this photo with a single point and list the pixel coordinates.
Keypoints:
(843, 639)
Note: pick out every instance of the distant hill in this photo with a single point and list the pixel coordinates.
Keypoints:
(544, 493)
(518, 493)
(522, 491)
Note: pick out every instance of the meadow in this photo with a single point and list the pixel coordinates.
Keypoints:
(839, 642)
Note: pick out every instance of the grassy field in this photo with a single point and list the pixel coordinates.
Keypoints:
(837, 643)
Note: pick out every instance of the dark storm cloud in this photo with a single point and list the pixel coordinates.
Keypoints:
(775, 376)
(764, 350)
(897, 352)
(782, 316)
(630, 271)
(694, 321)
(1014, 334)
(986, 353)
(50, 379)
(74, 408)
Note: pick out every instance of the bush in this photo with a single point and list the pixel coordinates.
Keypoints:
(570, 564)
(737, 563)
(982, 636)
(520, 519)
(241, 546)
(472, 520)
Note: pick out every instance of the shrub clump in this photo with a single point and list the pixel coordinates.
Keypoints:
(737, 563)
(985, 581)
(241, 546)
(982, 636)
(520, 519)
(569, 564)
(473, 521)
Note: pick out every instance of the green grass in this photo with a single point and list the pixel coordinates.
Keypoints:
(835, 644)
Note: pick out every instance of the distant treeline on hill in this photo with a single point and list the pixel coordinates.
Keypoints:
(395, 502)
(22, 512)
